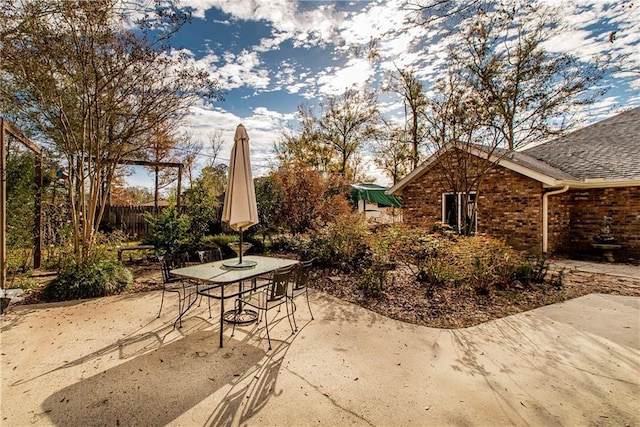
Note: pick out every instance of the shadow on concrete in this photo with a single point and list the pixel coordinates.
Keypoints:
(135, 344)
(156, 387)
(252, 392)
(525, 347)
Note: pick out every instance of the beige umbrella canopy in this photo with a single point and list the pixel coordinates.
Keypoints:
(240, 209)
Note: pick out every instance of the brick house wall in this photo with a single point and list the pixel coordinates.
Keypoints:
(509, 205)
(510, 208)
(582, 212)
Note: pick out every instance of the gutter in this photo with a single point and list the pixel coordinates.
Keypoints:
(545, 216)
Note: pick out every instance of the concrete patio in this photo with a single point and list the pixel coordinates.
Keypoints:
(109, 361)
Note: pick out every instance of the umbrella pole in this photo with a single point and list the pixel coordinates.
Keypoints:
(240, 252)
(239, 262)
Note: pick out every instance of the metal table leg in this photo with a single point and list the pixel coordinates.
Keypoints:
(221, 314)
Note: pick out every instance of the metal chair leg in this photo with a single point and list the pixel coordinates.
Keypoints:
(235, 317)
(266, 324)
(289, 318)
(293, 313)
(161, 303)
(308, 304)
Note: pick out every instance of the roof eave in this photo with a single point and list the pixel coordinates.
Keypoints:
(528, 172)
(546, 180)
(396, 190)
(600, 183)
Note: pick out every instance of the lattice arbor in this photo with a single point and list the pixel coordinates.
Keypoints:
(9, 131)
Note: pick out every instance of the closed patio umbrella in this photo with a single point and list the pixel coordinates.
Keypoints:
(240, 209)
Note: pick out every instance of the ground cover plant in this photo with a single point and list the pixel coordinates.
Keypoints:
(427, 277)
(440, 279)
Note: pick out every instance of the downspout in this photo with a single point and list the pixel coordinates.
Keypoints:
(545, 216)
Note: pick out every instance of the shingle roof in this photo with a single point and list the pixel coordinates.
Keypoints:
(609, 149)
(532, 163)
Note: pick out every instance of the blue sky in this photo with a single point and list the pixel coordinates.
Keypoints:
(273, 55)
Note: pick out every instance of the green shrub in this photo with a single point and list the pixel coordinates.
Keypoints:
(371, 284)
(95, 278)
(287, 243)
(441, 258)
(169, 231)
(523, 273)
(539, 269)
(107, 244)
(341, 244)
(373, 279)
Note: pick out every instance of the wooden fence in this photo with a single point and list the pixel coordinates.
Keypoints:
(128, 218)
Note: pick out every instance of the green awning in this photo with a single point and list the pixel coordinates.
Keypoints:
(374, 193)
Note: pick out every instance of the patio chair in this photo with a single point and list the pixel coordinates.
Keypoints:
(174, 284)
(205, 256)
(210, 255)
(271, 296)
(299, 287)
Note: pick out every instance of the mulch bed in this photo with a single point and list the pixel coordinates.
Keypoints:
(404, 298)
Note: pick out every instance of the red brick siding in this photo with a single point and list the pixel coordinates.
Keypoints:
(509, 205)
(559, 215)
(585, 211)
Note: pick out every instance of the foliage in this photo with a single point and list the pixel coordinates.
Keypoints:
(203, 201)
(211, 242)
(21, 196)
(533, 270)
(308, 200)
(392, 151)
(502, 90)
(169, 230)
(523, 273)
(539, 269)
(371, 282)
(222, 241)
(287, 243)
(269, 200)
(94, 278)
(332, 140)
(98, 87)
(405, 83)
(525, 88)
(132, 195)
(557, 280)
(437, 260)
(373, 279)
(341, 244)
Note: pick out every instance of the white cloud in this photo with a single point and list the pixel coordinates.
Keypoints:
(373, 22)
(354, 74)
(242, 70)
(315, 25)
(263, 126)
(422, 49)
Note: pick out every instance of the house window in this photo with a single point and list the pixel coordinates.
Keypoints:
(457, 215)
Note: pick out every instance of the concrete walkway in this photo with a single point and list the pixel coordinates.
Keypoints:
(619, 270)
(109, 361)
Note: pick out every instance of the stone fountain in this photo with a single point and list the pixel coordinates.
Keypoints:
(605, 242)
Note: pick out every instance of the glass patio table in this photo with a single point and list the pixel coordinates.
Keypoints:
(217, 281)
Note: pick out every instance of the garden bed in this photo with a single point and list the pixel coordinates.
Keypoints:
(403, 298)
